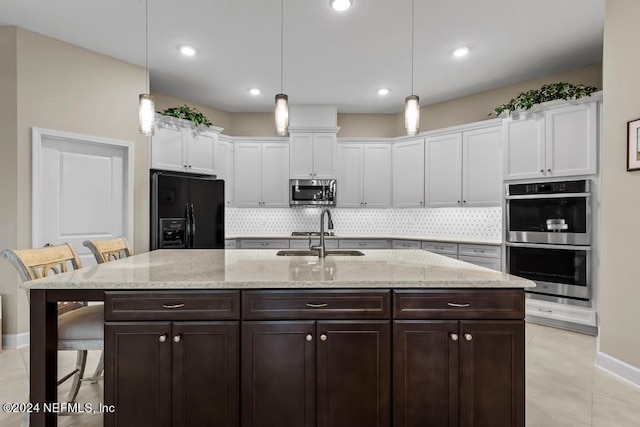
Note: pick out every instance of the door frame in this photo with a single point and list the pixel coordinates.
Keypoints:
(38, 134)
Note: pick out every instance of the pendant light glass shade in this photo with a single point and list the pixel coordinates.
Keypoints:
(412, 115)
(282, 114)
(146, 114)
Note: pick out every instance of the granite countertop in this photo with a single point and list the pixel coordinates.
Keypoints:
(469, 240)
(253, 269)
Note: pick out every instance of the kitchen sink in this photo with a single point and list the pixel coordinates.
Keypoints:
(315, 253)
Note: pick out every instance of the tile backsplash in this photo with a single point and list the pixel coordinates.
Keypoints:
(481, 223)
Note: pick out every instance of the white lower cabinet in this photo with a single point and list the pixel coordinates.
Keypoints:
(304, 243)
(583, 319)
(230, 244)
(406, 244)
(488, 256)
(442, 248)
(264, 243)
(492, 263)
(261, 174)
(363, 244)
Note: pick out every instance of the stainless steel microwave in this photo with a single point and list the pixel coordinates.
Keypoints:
(312, 192)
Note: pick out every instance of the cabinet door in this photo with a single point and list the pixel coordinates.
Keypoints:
(223, 168)
(200, 149)
(482, 167)
(278, 374)
(247, 169)
(408, 173)
(168, 151)
(324, 155)
(354, 373)
(492, 263)
(376, 179)
(443, 170)
(425, 381)
(205, 374)
(491, 373)
(275, 175)
(524, 146)
(571, 136)
(349, 181)
(301, 155)
(138, 373)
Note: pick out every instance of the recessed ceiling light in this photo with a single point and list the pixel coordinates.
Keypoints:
(460, 52)
(383, 91)
(254, 91)
(187, 50)
(340, 5)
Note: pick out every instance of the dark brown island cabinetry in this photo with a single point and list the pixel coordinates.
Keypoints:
(467, 372)
(315, 358)
(178, 370)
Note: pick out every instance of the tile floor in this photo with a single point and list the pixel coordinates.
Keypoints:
(564, 388)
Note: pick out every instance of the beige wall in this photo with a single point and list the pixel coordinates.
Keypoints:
(218, 117)
(619, 282)
(63, 87)
(252, 124)
(372, 125)
(8, 173)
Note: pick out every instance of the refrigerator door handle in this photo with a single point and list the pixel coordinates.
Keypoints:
(193, 226)
(187, 233)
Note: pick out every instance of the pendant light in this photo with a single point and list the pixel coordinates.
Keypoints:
(146, 107)
(282, 100)
(412, 102)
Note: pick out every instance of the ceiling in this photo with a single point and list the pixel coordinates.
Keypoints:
(331, 58)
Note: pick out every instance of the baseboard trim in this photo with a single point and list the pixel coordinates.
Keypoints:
(14, 341)
(619, 368)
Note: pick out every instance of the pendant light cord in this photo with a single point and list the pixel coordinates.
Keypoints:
(146, 45)
(412, 41)
(281, 44)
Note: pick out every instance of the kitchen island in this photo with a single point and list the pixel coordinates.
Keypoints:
(245, 337)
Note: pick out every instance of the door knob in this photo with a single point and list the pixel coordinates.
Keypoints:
(309, 337)
(177, 338)
(162, 338)
(468, 337)
(323, 337)
(454, 337)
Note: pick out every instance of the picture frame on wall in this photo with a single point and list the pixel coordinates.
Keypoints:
(633, 145)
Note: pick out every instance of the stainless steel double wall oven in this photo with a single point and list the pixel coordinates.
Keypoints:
(549, 238)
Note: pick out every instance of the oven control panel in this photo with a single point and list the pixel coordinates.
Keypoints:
(579, 186)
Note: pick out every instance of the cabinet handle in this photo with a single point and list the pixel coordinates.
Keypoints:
(440, 248)
(162, 338)
(544, 310)
(548, 170)
(309, 337)
(322, 305)
(177, 338)
(184, 166)
(172, 306)
(478, 251)
(541, 170)
(323, 337)
(458, 201)
(464, 201)
(189, 166)
(453, 304)
(421, 202)
(365, 203)
(454, 337)
(468, 337)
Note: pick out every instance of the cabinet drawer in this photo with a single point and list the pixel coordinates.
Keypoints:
(264, 244)
(459, 304)
(158, 305)
(442, 248)
(492, 263)
(363, 244)
(316, 304)
(304, 243)
(488, 251)
(406, 244)
(229, 244)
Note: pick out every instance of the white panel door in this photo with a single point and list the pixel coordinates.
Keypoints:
(82, 193)
(168, 151)
(408, 173)
(223, 168)
(247, 169)
(571, 135)
(482, 167)
(324, 155)
(376, 174)
(301, 155)
(200, 152)
(443, 170)
(349, 180)
(275, 175)
(524, 138)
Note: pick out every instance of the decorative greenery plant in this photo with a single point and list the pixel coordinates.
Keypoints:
(548, 92)
(187, 113)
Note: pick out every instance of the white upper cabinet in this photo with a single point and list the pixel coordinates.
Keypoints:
(261, 174)
(364, 175)
(482, 167)
(408, 173)
(179, 146)
(223, 167)
(443, 170)
(312, 155)
(557, 141)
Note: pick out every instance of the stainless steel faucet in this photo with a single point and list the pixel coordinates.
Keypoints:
(322, 252)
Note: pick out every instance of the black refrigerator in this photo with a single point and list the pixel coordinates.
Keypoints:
(187, 211)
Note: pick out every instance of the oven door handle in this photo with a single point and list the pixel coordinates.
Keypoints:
(548, 246)
(548, 196)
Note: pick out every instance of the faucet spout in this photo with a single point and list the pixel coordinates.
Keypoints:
(321, 247)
